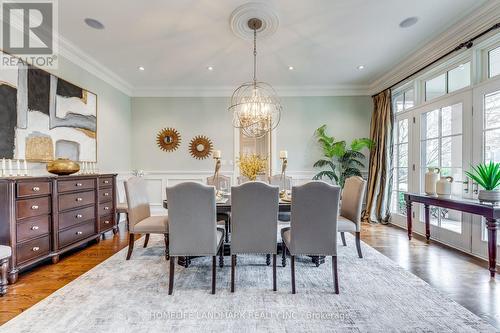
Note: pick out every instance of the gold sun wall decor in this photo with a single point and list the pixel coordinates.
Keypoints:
(200, 147)
(168, 139)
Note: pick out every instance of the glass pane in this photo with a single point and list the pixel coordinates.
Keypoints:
(451, 151)
(399, 103)
(494, 62)
(401, 203)
(451, 220)
(430, 152)
(403, 155)
(435, 87)
(403, 131)
(395, 156)
(409, 99)
(457, 174)
(492, 145)
(430, 124)
(451, 120)
(434, 212)
(403, 179)
(459, 77)
(492, 110)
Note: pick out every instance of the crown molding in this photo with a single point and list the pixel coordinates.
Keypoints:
(226, 91)
(479, 20)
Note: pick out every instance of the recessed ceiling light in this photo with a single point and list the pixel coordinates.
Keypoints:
(210, 68)
(408, 22)
(291, 68)
(360, 67)
(93, 23)
(141, 68)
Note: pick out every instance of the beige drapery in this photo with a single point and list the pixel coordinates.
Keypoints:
(380, 170)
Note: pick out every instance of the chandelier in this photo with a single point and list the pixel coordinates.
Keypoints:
(255, 105)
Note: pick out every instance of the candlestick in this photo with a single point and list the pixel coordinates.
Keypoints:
(217, 154)
(283, 154)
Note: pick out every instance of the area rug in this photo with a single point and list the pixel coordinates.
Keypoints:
(376, 295)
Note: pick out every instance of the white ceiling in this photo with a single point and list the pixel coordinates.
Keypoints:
(325, 40)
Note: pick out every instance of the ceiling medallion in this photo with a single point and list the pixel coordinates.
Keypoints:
(240, 16)
(200, 147)
(255, 105)
(168, 139)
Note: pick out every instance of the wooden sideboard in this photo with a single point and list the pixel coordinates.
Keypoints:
(43, 217)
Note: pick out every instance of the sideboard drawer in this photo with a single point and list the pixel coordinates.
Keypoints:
(31, 228)
(75, 185)
(106, 222)
(74, 217)
(75, 200)
(33, 249)
(105, 208)
(76, 233)
(32, 207)
(26, 189)
(105, 194)
(105, 182)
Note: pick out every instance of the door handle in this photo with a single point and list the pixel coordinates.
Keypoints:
(466, 188)
(36, 189)
(475, 187)
(34, 207)
(36, 248)
(79, 216)
(79, 199)
(79, 232)
(35, 227)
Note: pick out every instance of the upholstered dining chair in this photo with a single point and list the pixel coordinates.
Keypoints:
(193, 226)
(139, 215)
(284, 183)
(313, 225)
(350, 209)
(254, 218)
(222, 182)
(5, 253)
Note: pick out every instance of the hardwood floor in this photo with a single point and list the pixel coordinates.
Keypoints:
(463, 278)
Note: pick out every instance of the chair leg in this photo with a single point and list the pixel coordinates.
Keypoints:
(274, 273)
(335, 274)
(221, 256)
(233, 271)
(226, 227)
(342, 235)
(268, 259)
(171, 276)
(214, 267)
(358, 244)
(283, 254)
(292, 268)
(167, 242)
(131, 238)
(4, 267)
(126, 221)
(146, 240)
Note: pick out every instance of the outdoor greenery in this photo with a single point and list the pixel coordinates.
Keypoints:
(340, 160)
(487, 175)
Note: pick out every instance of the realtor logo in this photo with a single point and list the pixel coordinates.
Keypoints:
(28, 31)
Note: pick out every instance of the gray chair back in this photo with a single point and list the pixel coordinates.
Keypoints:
(192, 222)
(313, 226)
(220, 182)
(284, 183)
(137, 201)
(254, 218)
(352, 199)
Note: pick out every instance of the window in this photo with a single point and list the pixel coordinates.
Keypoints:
(435, 87)
(400, 167)
(450, 81)
(404, 100)
(494, 62)
(491, 132)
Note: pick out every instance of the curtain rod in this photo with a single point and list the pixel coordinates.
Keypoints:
(467, 44)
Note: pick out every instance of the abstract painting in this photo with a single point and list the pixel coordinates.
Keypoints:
(43, 117)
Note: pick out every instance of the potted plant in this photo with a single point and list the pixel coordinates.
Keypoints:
(342, 160)
(487, 175)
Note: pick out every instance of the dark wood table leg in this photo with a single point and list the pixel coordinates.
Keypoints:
(408, 218)
(427, 222)
(492, 225)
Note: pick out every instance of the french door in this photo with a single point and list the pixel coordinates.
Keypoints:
(486, 147)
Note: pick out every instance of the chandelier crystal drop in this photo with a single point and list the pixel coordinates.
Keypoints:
(255, 105)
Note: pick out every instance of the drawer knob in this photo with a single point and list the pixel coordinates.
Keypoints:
(106, 208)
(106, 182)
(79, 184)
(35, 227)
(34, 207)
(106, 222)
(79, 199)
(34, 249)
(79, 232)
(36, 189)
(79, 216)
(106, 194)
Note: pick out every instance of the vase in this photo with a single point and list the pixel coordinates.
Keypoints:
(492, 197)
(443, 187)
(431, 179)
(63, 166)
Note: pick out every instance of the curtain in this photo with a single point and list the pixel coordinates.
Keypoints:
(380, 169)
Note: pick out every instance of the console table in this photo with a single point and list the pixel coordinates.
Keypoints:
(489, 212)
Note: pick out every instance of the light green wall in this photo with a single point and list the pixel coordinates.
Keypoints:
(346, 117)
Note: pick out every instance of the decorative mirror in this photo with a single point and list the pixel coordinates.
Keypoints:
(168, 139)
(200, 147)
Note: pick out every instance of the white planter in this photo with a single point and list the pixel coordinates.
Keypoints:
(431, 178)
(492, 197)
(443, 187)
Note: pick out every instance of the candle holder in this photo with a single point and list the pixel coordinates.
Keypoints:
(217, 157)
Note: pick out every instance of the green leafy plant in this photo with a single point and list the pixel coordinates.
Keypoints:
(487, 175)
(342, 161)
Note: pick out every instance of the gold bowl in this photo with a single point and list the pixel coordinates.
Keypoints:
(63, 166)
